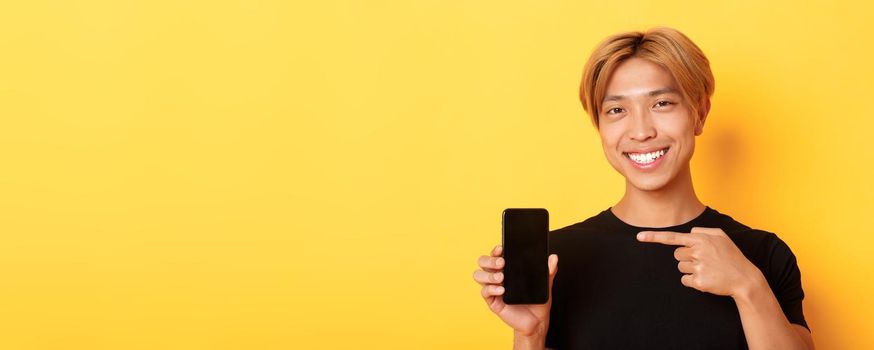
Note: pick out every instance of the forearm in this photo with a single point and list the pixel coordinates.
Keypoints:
(764, 323)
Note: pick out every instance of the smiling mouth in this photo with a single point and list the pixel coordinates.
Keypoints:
(646, 158)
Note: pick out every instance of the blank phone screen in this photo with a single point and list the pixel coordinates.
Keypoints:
(525, 252)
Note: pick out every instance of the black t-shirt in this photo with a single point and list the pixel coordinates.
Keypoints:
(615, 292)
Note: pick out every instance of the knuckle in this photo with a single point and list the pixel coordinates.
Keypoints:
(487, 291)
(688, 280)
(478, 276)
(483, 277)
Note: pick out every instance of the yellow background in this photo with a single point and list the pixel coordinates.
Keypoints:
(324, 174)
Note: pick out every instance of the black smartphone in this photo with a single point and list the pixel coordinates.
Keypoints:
(525, 251)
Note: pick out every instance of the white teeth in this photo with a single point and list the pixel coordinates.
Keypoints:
(646, 158)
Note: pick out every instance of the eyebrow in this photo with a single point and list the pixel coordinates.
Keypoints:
(666, 90)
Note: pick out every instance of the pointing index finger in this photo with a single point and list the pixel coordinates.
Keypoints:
(665, 237)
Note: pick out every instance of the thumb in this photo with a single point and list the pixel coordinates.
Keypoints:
(553, 269)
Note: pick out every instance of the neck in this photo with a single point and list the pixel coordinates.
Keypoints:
(673, 204)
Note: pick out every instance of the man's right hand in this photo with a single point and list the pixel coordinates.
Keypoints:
(527, 320)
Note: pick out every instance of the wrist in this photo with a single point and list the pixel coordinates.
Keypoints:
(746, 291)
(535, 340)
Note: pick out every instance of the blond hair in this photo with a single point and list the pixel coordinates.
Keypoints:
(664, 46)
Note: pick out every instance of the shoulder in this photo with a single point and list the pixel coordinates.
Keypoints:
(750, 240)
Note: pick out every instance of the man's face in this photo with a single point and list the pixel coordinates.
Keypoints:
(646, 128)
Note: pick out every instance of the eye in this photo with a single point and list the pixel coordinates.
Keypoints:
(663, 103)
(610, 111)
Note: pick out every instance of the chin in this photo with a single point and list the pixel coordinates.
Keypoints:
(652, 184)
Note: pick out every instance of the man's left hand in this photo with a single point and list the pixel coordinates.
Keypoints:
(710, 261)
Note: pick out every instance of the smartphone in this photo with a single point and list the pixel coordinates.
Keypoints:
(525, 250)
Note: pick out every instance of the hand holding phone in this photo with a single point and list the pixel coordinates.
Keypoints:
(528, 320)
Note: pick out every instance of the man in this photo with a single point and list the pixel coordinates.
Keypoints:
(658, 270)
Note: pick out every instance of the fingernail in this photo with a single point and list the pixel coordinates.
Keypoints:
(641, 236)
(500, 262)
(498, 276)
(500, 289)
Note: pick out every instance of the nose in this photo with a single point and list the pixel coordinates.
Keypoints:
(641, 128)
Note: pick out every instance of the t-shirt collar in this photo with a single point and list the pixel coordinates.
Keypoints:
(684, 227)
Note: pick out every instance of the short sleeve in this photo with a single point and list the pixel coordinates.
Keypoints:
(784, 277)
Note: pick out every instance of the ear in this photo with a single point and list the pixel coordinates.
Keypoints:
(702, 116)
